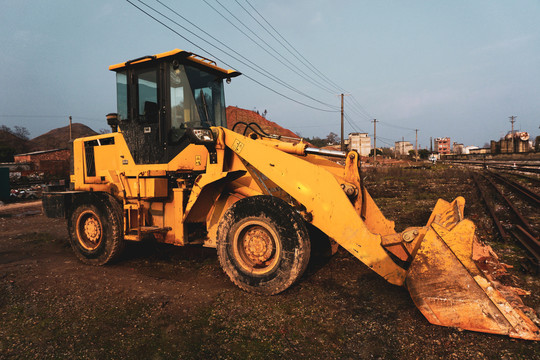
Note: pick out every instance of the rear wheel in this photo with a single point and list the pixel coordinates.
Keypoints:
(95, 233)
(263, 245)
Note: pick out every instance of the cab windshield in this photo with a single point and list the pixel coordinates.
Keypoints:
(197, 98)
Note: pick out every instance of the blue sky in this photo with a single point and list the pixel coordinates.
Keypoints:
(446, 68)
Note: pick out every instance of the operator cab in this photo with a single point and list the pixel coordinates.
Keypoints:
(161, 97)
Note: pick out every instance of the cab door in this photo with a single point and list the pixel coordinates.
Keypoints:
(142, 128)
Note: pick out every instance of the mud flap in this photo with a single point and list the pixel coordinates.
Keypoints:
(450, 290)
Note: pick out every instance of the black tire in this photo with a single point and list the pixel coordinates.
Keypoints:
(263, 245)
(95, 232)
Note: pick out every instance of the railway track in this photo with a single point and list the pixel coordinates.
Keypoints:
(514, 209)
(523, 166)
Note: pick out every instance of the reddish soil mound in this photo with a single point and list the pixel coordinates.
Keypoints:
(236, 114)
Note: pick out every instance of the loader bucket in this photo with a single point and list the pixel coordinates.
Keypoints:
(450, 289)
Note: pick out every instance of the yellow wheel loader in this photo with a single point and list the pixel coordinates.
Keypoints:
(172, 171)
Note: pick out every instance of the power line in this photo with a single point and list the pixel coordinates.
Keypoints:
(396, 126)
(281, 43)
(356, 110)
(305, 77)
(266, 73)
(361, 110)
(385, 138)
(353, 126)
(355, 107)
(216, 57)
(360, 107)
(292, 47)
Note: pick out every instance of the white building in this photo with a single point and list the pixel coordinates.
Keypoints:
(403, 147)
(360, 142)
(468, 149)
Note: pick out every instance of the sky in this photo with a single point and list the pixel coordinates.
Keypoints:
(455, 69)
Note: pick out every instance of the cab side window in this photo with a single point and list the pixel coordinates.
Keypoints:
(148, 97)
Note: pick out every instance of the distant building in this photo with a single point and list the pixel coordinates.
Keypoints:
(360, 142)
(519, 141)
(442, 145)
(403, 147)
(470, 149)
(458, 148)
(479, 151)
(51, 162)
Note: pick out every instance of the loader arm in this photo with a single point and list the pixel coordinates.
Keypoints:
(323, 197)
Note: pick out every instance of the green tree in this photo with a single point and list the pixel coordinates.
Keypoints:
(317, 141)
(387, 152)
(423, 153)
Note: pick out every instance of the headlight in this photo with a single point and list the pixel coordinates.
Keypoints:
(201, 136)
(204, 135)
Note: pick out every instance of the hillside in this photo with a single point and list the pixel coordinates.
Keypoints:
(236, 114)
(59, 138)
(8, 140)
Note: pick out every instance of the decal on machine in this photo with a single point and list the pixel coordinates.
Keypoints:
(237, 146)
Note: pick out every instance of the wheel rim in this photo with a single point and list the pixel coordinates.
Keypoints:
(256, 247)
(89, 230)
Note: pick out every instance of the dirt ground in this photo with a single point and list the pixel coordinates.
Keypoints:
(162, 302)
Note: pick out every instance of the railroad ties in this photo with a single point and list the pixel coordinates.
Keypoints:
(522, 166)
(515, 210)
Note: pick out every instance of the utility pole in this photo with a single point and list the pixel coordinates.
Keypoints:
(374, 121)
(431, 144)
(416, 146)
(512, 120)
(70, 137)
(342, 140)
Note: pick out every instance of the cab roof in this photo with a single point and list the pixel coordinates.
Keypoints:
(190, 57)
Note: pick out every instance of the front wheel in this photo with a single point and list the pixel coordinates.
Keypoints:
(263, 244)
(95, 232)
